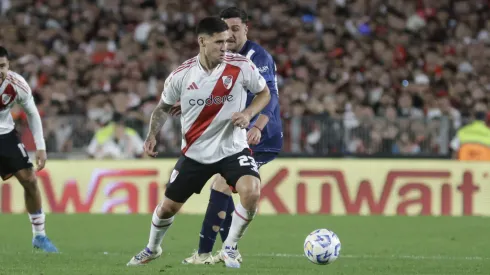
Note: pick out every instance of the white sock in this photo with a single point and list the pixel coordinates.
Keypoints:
(158, 229)
(37, 222)
(239, 223)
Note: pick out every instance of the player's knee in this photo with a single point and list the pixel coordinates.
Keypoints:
(166, 211)
(28, 181)
(168, 208)
(254, 193)
(249, 188)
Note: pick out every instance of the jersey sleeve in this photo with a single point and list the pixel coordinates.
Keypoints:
(267, 68)
(26, 100)
(24, 92)
(171, 90)
(253, 80)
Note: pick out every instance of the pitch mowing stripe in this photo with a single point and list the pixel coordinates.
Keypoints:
(367, 256)
(409, 257)
(384, 257)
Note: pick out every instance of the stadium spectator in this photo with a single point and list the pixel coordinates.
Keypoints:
(116, 141)
(355, 76)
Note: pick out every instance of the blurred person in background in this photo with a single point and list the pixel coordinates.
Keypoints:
(472, 142)
(116, 141)
(425, 59)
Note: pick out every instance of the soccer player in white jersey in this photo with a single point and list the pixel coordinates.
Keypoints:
(212, 90)
(14, 160)
(264, 137)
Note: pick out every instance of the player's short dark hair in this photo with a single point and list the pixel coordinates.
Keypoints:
(211, 25)
(4, 52)
(234, 12)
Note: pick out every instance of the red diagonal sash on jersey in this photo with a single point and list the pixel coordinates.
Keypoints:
(7, 96)
(209, 112)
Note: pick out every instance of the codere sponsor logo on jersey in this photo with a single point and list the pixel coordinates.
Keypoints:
(217, 100)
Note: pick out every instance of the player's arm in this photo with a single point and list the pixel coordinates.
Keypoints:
(262, 120)
(26, 100)
(271, 80)
(159, 117)
(35, 123)
(170, 95)
(256, 84)
(259, 102)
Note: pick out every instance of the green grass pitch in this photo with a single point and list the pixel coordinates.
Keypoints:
(103, 244)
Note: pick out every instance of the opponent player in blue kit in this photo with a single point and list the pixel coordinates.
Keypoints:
(264, 137)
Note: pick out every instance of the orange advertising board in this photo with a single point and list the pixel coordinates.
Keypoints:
(289, 186)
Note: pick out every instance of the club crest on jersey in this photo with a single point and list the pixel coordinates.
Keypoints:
(227, 81)
(6, 98)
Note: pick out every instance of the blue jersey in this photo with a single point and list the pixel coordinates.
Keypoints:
(271, 140)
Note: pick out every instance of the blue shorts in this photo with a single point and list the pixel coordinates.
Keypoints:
(262, 158)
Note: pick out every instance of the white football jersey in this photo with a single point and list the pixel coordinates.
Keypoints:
(14, 89)
(208, 101)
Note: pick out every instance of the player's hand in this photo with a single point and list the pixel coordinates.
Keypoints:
(149, 146)
(41, 158)
(240, 119)
(175, 110)
(253, 136)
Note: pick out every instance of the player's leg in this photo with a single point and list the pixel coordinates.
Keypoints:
(32, 197)
(261, 159)
(213, 220)
(230, 208)
(248, 187)
(240, 172)
(162, 219)
(14, 161)
(188, 177)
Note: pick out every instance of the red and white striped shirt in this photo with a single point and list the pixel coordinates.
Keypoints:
(14, 89)
(208, 101)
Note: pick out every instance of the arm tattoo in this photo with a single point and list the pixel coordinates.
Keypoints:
(158, 118)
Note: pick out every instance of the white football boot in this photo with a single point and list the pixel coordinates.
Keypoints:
(196, 258)
(229, 255)
(145, 256)
(217, 258)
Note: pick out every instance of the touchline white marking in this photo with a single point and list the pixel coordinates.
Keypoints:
(401, 257)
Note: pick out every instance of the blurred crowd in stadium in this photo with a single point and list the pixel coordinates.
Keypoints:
(355, 76)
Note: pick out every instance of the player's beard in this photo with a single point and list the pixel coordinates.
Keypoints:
(233, 44)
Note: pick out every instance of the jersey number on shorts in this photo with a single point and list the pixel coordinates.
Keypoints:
(248, 161)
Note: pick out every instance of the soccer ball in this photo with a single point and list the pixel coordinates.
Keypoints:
(322, 247)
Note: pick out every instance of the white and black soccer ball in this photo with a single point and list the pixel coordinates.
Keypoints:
(322, 247)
